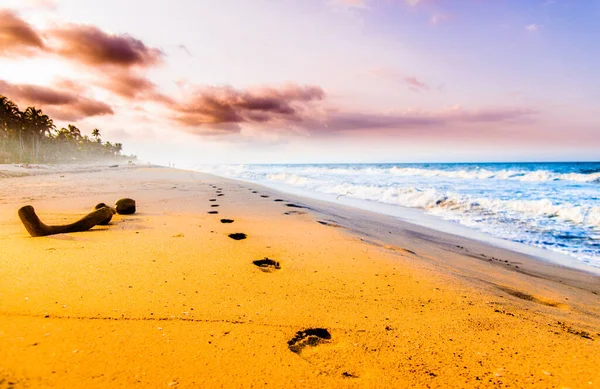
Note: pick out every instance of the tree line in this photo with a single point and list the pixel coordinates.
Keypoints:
(30, 136)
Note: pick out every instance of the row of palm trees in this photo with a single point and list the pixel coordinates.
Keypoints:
(31, 136)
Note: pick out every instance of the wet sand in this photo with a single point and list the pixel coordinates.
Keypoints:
(268, 289)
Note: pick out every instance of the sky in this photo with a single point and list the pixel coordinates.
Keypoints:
(306, 81)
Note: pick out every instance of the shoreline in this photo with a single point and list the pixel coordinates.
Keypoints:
(165, 297)
(372, 226)
(419, 218)
(374, 222)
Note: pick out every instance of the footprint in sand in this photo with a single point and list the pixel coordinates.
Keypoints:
(214, 205)
(399, 249)
(294, 213)
(226, 221)
(220, 194)
(213, 212)
(264, 196)
(328, 224)
(310, 337)
(529, 297)
(212, 200)
(238, 236)
(254, 191)
(267, 265)
(278, 200)
(295, 206)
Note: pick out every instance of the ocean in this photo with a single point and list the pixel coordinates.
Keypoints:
(553, 206)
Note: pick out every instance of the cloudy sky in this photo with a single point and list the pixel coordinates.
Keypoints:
(266, 81)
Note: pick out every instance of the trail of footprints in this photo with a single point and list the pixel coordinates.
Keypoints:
(313, 337)
(483, 257)
(309, 337)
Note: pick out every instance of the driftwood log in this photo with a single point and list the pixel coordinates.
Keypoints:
(36, 227)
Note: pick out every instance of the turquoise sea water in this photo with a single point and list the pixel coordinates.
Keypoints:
(555, 206)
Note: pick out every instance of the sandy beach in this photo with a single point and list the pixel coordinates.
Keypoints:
(166, 298)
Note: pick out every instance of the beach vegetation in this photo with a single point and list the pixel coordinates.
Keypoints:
(30, 136)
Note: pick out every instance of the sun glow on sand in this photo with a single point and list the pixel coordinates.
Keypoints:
(241, 281)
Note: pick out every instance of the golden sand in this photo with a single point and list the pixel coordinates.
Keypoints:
(165, 298)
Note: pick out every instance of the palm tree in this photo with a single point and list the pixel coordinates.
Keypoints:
(9, 117)
(8, 111)
(37, 125)
(62, 137)
(96, 134)
(74, 131)
(21, 124)
(46, 126)
(31, 117)
(63, 134)
(9, 123)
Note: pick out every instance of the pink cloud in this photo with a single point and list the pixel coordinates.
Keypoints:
(62, 103)
(85, 44)
(18, 37)
(128, 85)
(411, 82)
(78, 110)
(410, 119)
(91, 46)
(223, 109)
(506, 114)
(415, 84)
